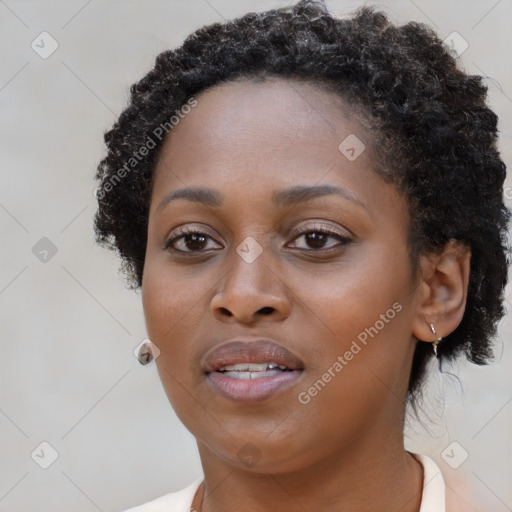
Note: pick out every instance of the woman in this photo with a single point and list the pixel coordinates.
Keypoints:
(312, 208)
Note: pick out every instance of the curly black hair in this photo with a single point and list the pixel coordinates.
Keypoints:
(436, 139)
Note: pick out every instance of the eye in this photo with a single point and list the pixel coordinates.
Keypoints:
(317, 237)
(188, 240)
(194, 240)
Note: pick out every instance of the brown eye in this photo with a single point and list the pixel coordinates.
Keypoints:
(316, 238)
(190, 240)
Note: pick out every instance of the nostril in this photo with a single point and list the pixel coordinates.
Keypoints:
(266, 310)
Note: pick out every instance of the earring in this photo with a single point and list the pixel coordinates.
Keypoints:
(437, 340)
(145, 355)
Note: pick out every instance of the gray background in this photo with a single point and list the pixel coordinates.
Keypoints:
(68, 327)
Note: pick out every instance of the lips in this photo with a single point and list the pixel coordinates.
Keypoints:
(261, 351)
(252, 371)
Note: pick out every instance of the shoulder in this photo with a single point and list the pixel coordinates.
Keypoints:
(434, 495)
(179, 501)
(444, 491)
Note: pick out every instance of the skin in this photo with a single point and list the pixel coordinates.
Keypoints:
(344, 449)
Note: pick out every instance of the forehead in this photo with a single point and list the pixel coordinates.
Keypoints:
(286, 128)
(248, 142)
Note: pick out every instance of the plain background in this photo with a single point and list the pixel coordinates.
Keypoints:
(68, 327)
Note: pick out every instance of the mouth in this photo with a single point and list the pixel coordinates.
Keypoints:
(251, 371)
(246, 371)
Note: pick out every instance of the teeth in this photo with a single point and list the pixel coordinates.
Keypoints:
(250, 375)
(252, 367)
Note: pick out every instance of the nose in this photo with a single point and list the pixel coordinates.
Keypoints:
(250, 290)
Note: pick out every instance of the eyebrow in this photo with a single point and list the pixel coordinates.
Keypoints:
(281, 198)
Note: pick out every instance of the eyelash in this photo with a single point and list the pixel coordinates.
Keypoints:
(184, 231)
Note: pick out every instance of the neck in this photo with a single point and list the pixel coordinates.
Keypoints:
(367, 476)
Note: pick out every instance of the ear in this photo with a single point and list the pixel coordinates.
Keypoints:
(442, 291)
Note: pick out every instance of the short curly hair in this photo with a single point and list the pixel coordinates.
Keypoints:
(436, 139)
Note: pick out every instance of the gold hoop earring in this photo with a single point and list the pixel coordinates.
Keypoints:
(435, 343)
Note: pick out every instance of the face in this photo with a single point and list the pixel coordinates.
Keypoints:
(326, 277)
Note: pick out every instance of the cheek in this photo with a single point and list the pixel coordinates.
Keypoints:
(175, 302)
(171, 320)
(351, 297)
(363, 349)
(170, 299)
(165, 312)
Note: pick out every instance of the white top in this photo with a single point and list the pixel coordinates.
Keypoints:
(433, 497)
